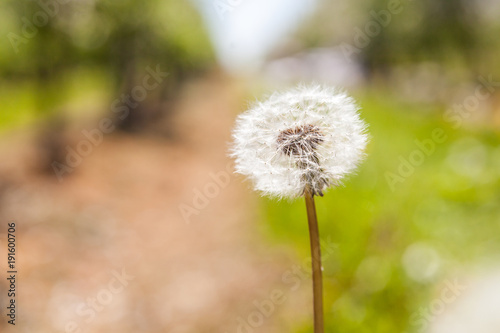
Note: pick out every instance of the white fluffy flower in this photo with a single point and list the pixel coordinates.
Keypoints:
(307, 137)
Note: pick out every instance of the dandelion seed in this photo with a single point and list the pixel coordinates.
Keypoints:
(307, 136)
(298, 143)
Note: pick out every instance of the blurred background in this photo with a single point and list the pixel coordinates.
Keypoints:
(115, 124)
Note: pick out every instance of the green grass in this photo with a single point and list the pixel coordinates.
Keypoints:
(448, 206)
(17, 105)
(79, 93)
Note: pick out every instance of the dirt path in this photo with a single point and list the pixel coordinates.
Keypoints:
(128, 244)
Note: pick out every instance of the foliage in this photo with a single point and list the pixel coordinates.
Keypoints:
(49, 41)
(447, 206)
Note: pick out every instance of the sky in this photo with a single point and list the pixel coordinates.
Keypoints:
(244, 31)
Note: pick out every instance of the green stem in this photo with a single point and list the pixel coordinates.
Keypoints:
(316, 261)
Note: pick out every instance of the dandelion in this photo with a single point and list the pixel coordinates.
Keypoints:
(300, 143)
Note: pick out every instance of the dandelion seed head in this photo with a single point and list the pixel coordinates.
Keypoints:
(308, 136)
(299, 140)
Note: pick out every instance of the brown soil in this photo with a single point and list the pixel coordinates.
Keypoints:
(120, 210)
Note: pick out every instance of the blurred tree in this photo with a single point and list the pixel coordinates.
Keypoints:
(381, 33)
(167, 35)
(442, 31)
(40, 54)
(448, 26)
(49, 40)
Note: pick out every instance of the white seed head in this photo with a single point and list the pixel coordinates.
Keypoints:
(309, 136)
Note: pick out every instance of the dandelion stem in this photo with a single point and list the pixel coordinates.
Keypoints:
(316, 261)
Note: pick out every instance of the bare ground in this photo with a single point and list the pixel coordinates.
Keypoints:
(119, 214)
